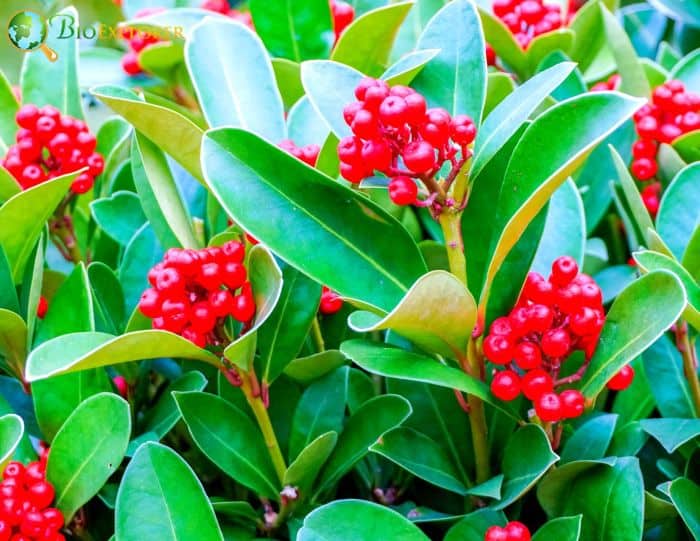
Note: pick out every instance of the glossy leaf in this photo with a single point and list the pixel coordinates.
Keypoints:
(684, 495)
(438, 314)
(305, 125)
(8, 110)
(339, 520)
(561, 529)
(369, 424)
(474, 525)
(385, 262)
(404, 70)
(688, 71)
(161, 498)
(87, 450)
(305, 469)
(638, 211)
(119, 215)
(11, 432)
(246, 81)
(664, 367)
(13, 338)
(638, 317)
(307, 369)
(678, 216)
(671, 433)
(591, 439)
(288, 77)
(79, 351)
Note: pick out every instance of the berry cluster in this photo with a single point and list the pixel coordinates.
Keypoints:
(611, 83)
(513, 531)
(343, 14)
(137, 41)
(671, 113)
(193, 291)
(25, 497)
(553, 318)
(527, 19)
(222, 7)
(307, 154)
(330, 302)
(49, 145)
(392, 124)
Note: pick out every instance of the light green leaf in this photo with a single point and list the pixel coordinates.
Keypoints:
(119, 215)
(679, 215)
(688, 71)
(288, 77)
(307, 369)
(303, 471)
(8, 110)
(684, 495)
(631, 192)
(405, 69)
(11, 432)
(13, 339)
(671, 433)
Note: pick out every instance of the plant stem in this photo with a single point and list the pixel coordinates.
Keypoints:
(450, 220)
(317, 335)
(260, 412)
(690, 362)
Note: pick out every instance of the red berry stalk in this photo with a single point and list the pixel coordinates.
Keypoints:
(194, 291)
(25, 499)
(513, 531)
(553, 318)
(397, 135)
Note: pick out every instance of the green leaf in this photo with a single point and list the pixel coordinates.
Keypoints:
(633, 78)
(71, 309)
(397, 363)
(607, 493)
(266, 280)
(634, 200)
(456, 78)
(591, 439)
(305, 125)
(421, 456)
(8, 110)
(513, 111)
(684, 495)
(526, 459)
(330, 86)
(572, 86)
(589, 35)
(288, 77)
(108, 298)
(293, 30)
(691, 257)
(366, 43)
(140, 255)
(561, 529)
(159, 194)
(229, 438)
(637, 318)
(164, 414)
(498, 86)
(281, 337)
(303, 471)
(240, 90)
(119, 215)
(688, 71)
(650, 261)
(54, 83)
(87, 450)
(161, 498)
(664, 368)
(79, 351)
(307, 369)
(688, 146)
(545, 44)
(11, 432)
(243, 172)
(564, 231)
(8, 185)
(473, 526)
(678, 216)
(369, 424)
(13, 339)
(438, 314)
(538, 167)
(637, 402)
(56, 398)
(339, 520)
(28, 212)
(405, 69)
(321, 409)
(671, 433)
(503, 42)
(168, 129)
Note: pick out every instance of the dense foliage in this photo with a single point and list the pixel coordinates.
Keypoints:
(361, 270)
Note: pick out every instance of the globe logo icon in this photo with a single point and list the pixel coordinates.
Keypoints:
(27, 31)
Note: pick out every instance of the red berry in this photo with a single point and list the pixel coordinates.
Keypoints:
(29, 149)
(234, 251)
(330, 302)
(32, 175)
(572, 404)
(490, 55)
(585, 321)
(644, 148)
(350, 150)
(121, 386)
(690, 121)
(233, 275)
(647, 127)
(622, 380)
(53, 518)
(556, 343)
(365, 124)
(415, 108)
(403, 190)
(393, 111)
(170, 279)
(377, 155)
(517, 531)
(650, 198)
(506, 385)
(309, 154)
(531, 11)
(203, 318)
(375, 95)
(150, 303)
(569, 298)
(27, 115)
(96, 163)
(244, 305)
(34, 472)
(353, 173)
(564, 270)
(198, 339)
(82, 183)
(41, 494)
(419, 156)
(527, 355)
(362, 87)
(350, 110)
(548, 407)
(669, 132)
(209, 276)
(462, 130)
(590, 292)
(5, 531)
(537, 289)
(221, 302)
(498, 349)
(42, 307)
(501, 326)
(343, 15)
(536, 383)
(14, 470)
(130, 63)
(502, 7)
(539, 318)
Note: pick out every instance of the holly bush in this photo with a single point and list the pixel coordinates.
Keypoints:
(307, 270)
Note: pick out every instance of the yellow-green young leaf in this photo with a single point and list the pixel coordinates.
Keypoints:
(539, 164)
(407, 67)
(288, 77)
(366, 43)
(78, 351)
(307, 465)
(266, 278)
(13, 339)
(503, 42)
(8, 109)
(8, 185)
(499, 86)
(688, 146)
(656, 243)
(438, 313)
(545, 44)
(684, 495)
(11, 432)
(160, 197)
(234, 90)
(634, 80)
(691, 257)
(87, 450)
(168, 129)
(651, 261)
(55, 83)
(28, 212)
(639, 212)
(161, 498)
(640, 314)
(679, 212)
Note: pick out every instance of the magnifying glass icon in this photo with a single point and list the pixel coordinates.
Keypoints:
(27, 31)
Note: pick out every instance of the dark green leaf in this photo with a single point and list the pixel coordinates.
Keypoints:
(473, 527)
(684, 495)
(303, 471)
(591, 439)
(561, 529)
(307, 369)
(119, 215)
(108, 298)
(140, 255)
(671, 433)
(664, 368)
